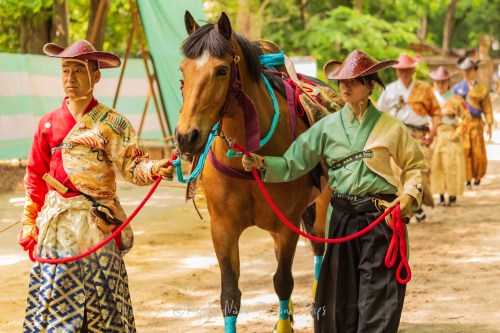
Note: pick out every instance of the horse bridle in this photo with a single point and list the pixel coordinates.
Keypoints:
(251, 118)
(235, 89)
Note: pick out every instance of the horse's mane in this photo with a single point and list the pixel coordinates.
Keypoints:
(207, 38)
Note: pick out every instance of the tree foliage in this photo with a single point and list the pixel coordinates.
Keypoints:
(322, 28)
(12, 13)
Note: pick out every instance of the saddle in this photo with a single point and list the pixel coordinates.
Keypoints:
(317, 99)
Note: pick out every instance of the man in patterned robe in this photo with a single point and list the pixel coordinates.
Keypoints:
(71, 166)
(414, 104)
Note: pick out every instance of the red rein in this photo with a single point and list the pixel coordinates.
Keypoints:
(397, 244)
(31, 244)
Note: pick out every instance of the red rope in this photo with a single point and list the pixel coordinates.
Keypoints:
(303, 78)
(398, 240)
(31, 244)
(296, 87)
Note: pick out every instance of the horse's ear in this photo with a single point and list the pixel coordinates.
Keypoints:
(224, 26)
(190, 23)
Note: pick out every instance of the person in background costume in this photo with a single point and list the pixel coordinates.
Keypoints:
(441, 84)
(414, 104)
(477, 98)
(71, 196)
(355, 292)
(448, 161)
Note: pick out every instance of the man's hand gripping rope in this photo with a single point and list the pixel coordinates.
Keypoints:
(28, 235)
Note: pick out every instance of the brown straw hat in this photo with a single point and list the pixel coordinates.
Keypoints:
(356, 64)
(82, 50)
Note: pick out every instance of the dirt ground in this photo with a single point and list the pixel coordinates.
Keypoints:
(175, 283)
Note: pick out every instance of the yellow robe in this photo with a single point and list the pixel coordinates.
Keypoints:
(476, 161)
(448, 161)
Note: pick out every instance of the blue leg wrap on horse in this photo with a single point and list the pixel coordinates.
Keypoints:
(318, 260)
(284, 309)
(230, 324)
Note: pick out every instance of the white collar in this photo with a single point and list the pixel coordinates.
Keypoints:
(410, 88)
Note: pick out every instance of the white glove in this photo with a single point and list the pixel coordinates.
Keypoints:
(405, 204)
(29, 230)
(160, 169)
(256, 161)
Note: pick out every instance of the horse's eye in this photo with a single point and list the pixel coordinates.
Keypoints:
(222, 71)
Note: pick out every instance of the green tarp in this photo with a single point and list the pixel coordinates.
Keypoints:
(30, 85)
(163, 22)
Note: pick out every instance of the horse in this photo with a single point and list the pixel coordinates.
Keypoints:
(215, 58)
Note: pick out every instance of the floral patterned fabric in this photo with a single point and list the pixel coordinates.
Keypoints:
(422, 100)
(100, 139)
(94, 287)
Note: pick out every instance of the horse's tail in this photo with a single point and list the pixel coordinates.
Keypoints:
(308, 225)
(308, 218)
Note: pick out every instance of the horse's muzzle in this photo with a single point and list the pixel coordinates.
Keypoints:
(189, 141)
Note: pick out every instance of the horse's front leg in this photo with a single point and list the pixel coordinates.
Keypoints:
(285, 245)
(322, 204)
(225, 237)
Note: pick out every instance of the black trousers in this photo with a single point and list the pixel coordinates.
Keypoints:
(356, 293)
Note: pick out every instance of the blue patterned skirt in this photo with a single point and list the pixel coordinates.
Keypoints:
(94, 288)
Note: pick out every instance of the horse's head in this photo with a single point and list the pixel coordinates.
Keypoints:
(211, 53)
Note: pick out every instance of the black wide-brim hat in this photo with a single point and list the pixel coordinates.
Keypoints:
(82, 50)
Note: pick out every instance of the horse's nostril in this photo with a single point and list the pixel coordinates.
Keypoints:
(187, 141)
(194, 137)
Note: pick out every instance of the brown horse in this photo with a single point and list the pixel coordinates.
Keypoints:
(213, 55)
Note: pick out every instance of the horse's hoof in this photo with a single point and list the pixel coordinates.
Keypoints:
(275, 331)
(283, 326)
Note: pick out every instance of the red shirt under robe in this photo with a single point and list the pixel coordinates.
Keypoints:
(52, 129)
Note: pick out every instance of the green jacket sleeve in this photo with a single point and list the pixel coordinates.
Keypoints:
(300, 158)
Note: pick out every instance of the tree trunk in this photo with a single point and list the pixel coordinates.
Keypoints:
(244, 18)
(358, 5)
(60, 28)
(34, 34)
(422, 29)
(97, 22)
(302, 8)
(485, 70)
(449, 25)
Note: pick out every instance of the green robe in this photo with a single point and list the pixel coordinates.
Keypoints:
(333, 138)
